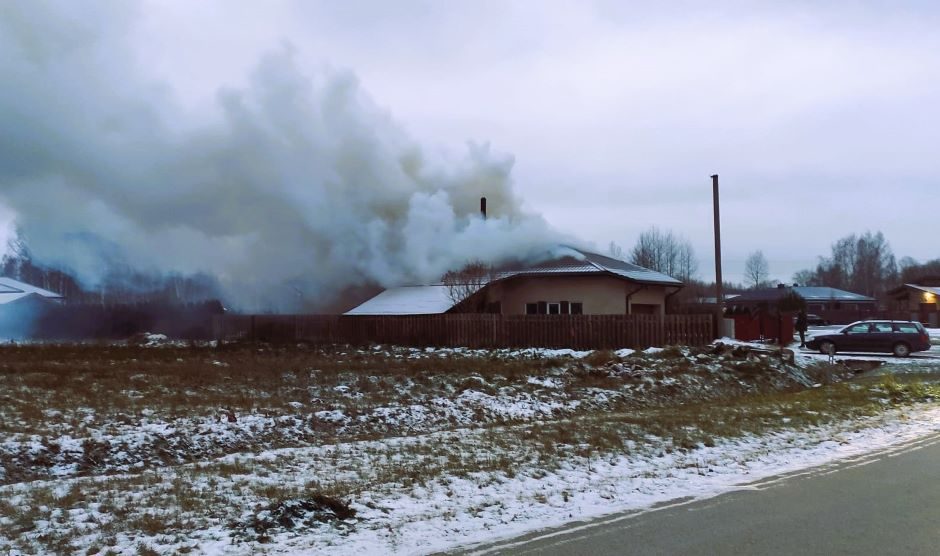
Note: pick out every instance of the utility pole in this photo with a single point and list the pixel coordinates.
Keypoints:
(719, 298)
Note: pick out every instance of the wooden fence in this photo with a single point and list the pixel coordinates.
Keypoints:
(473, 331)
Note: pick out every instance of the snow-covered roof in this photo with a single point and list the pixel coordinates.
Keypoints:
(13, 290)
(929, 289)
(809, 293)
(576, 261)
(407, 300)
(820, 293)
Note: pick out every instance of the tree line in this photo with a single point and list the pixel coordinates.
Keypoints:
(119, 287)
(861, 263)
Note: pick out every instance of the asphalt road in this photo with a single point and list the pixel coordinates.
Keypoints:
(882, 503)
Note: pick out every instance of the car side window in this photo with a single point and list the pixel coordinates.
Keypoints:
(907, 328)
(860, 328)
(883, 327)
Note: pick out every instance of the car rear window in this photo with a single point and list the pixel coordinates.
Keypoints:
(908, 328)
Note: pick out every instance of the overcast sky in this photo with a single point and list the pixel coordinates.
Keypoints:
(822, 119)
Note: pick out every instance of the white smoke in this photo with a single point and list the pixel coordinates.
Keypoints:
(295, 187)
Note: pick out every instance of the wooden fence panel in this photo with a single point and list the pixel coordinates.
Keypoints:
(475, 331)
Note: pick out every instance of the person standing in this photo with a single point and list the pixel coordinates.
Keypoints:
(801, 326)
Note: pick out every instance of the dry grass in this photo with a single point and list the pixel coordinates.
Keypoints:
(89, 384)
(89, 392)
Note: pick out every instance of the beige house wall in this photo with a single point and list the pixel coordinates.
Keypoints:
(916, 297)
(599, 295)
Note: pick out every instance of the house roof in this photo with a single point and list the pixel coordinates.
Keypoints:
(435, 299)
(407, 300)
(577, 261)
(713, 300)
(809, 293)
(821, 293)
(929, 289)
(14, 290)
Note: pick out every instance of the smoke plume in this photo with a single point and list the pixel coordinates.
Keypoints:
(291, 189)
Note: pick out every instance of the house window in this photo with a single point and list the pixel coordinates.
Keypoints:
(553, 308)
(644, 309)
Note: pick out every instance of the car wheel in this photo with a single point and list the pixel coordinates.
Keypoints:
(901, 349)
(827, 347)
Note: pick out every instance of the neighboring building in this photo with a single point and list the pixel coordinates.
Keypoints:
(920, 301)
(21, 305)
(14, 291)
(407, 300)
(714, 300)
(572, 282)
(832, 304)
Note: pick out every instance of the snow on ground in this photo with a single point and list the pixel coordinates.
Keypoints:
(433, 479)
(470, 514)
(806, 356)
(464, 510)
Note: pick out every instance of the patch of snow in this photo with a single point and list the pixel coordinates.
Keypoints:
(547, 382)
(332, 416)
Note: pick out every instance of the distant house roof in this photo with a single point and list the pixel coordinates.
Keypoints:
(929, 289)
(809, 293)
(713, 300)
(407, 300)
(435, 299)
(821, 293)
(14, 290)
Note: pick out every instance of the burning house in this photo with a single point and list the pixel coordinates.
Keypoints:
(572, 281)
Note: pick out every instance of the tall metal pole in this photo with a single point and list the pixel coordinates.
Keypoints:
(719, 298)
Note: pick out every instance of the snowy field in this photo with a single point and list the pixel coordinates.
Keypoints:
(167, 449)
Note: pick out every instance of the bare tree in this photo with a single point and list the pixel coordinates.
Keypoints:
(860, 263)
(912, 271)
(462, 284)
(666, 253)
(805, 278)
(756, 269)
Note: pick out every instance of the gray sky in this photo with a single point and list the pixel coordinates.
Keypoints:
(822, 121)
